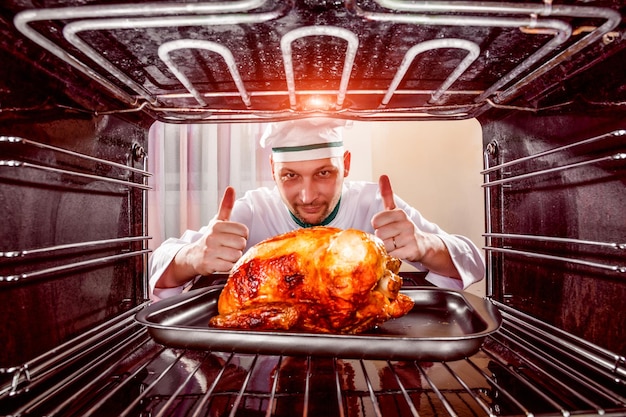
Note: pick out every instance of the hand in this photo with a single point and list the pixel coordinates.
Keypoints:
(404, 240)
(394, 227)
(216, 251)
(223, 243)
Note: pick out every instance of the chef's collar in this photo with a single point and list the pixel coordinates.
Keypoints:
(325, 222)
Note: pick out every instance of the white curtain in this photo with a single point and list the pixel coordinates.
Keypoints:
(191, 167)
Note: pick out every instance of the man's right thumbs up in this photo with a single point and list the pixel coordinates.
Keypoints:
(226, 205)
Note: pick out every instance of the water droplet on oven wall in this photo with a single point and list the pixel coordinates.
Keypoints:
(608, 38)
(323, 4)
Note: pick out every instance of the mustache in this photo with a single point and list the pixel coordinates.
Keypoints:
(315, 204)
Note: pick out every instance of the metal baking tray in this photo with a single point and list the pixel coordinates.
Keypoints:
(443, 325)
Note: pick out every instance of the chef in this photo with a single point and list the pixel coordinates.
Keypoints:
(309, 165)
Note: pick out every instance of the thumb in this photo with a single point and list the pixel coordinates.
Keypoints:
(226, 205)
(386, 192)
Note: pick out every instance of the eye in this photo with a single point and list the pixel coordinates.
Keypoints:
(288, 176)
(324, 173)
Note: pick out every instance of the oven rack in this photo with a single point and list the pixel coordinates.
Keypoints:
(15, 143)
(12, 163)
(117, 368)
(24, 260)
(21, 277)
(611, 144)
(616, 268)
(491, 148)
(59, 248)
(189, 101)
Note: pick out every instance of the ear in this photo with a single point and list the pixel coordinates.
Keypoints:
(272, 165)
(346, 163)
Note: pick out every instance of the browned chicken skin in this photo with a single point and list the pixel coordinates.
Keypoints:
(320, 279)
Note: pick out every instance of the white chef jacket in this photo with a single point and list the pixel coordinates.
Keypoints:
(264, 213)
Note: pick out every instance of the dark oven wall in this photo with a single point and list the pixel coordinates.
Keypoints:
(72, 238)
(71, 245)
(559, 233)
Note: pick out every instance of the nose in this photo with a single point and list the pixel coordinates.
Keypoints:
(308, 193)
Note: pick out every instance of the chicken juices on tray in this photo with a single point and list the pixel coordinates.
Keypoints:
(319, 279)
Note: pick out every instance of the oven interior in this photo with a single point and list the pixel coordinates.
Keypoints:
(81, 83)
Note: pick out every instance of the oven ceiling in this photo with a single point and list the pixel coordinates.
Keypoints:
(260, 60)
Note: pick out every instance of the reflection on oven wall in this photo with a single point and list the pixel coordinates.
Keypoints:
(434, 166)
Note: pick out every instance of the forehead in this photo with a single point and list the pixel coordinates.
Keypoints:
(308, 166)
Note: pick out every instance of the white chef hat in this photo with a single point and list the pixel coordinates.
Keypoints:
(304, 139)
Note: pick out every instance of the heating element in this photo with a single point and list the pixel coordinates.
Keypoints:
(237, 61)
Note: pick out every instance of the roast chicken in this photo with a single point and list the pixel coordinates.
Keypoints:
(319, 279)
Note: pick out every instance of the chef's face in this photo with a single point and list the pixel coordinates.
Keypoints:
(311, 189)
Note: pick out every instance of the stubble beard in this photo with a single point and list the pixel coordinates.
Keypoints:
(318, 219)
